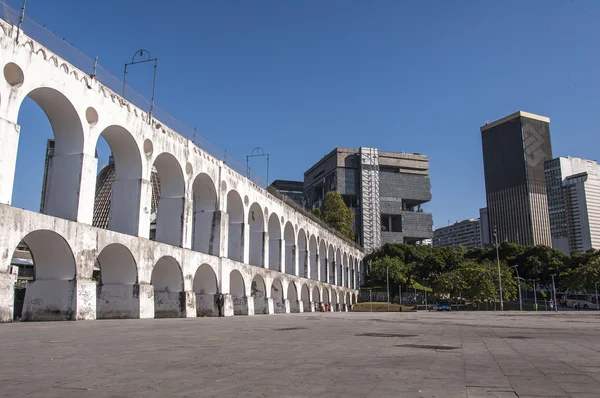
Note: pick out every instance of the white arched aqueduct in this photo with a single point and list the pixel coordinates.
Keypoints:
(216, 231)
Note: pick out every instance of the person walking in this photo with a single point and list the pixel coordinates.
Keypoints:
(219, 302)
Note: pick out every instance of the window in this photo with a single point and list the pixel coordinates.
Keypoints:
(391, 223)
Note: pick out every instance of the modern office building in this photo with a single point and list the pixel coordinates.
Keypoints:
(484, 221)
(514, 151)
(385, 190)
(292, 189)
(573, 186)
(466, 233)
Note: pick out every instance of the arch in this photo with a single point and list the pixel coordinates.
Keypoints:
(348, 300)
(344, 270)
(331, 268)
(277, 296)
(235, 235)
(334, 300)
(259, 295)
(237, 289)
(125, 189)
(292, 296)
(314, 258)
(49, 295)
(205, 287)
(275, 243)
(290, 249)
(62, 184)
(205, 206)
(169, 212)
(116, 293)
(326, 299)
(316, 296)
(338, 268)
(305, 297)
(302, 254)
(167, 280)
(256, 224)
(323, 261)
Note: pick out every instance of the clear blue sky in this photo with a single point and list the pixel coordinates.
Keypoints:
(299, 78)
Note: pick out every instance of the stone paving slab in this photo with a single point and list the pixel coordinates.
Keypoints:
(466, 355)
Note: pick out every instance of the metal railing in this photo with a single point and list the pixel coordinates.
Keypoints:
(77, 58)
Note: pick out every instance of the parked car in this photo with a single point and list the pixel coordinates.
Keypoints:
(443, 305)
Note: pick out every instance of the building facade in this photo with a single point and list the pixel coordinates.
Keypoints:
(573, 186)
(385, 190)
(514, 151)
(466, 233)
(292, 189)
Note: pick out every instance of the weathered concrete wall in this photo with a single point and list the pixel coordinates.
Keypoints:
(49, 301)
(169, 304)
(205, 305)
(240, 305)
(118, 302)
(7, 297)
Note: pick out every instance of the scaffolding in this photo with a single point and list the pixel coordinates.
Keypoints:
(369, 201)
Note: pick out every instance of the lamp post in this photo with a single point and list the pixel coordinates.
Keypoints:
(554, 293)
(387, 279)
(535, 294)
(141, 53)
(499, 274)
(519, 284)
(370, 300)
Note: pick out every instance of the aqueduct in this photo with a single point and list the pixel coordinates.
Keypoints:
(216, 231)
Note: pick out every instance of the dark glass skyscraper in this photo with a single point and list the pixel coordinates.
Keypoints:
(514, 151)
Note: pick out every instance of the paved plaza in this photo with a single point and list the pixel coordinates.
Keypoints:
(422, 354)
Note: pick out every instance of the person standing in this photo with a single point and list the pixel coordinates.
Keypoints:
(219, 302)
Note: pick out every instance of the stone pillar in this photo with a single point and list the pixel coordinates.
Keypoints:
(7, 295)
(227, 304)
(313, 306)
(250, 304)
(9, 144)
(189, 304)
(265, 249)
(85, 299)
(145, 294)
(60, 300)
(270, 306)
(300, 306)
(345, 308)
(169, 223)
(286, 304)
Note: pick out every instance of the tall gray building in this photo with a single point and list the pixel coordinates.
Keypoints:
(385, 190)
(514, 151)
(466, 233)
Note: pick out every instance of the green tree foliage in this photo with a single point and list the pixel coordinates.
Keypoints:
(337, 214)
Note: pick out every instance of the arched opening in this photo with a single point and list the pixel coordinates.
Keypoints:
(331, 260)
(169, 298)
(117, 294)
(205, 287)
(259, 295)
(50, 159)
(292, 296)
(334, 300)
(314, 258)
(338, 268)
(277, 296)
(204, 237)
(257, 235)
(275, 243)
(305, 296)
(46, 287)
(302, 254)
(119, 182)
(316, 299)
(348, 301)
(323, 261)
(169, 213)
(290, 249)
(237, 289)
(235, 235)
(355, 274)
(345, 271)
(326, 299)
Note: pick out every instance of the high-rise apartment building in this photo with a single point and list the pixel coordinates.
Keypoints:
(514, 151)
(573, 186)
(466, 233)
(385, 190)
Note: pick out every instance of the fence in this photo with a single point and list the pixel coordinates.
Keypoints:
(77, 58)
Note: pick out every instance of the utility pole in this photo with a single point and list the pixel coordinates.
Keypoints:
(387, 277)
(535, 295)
(499, 274)
(519, 282)
(370, 300)
(554, 291)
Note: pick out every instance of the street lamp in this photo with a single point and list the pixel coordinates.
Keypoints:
(519, 282)
(387, 278)
(535, 294)
(370, 300)
(554, 291)
(499, 275)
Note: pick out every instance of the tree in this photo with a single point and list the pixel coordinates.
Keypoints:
(336, 214)
(585, 276)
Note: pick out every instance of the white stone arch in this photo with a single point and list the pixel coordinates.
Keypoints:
(331, 265)
(290, 249)
(323, 261)
(49, 295)
(126, 189)
(116, 291)
(314, 257)
(62, 197)
(348, 300)
(259, 295)
(167, 279)
(334, 300)
(275, 242)
(326, 298)
(204, 238)
(302, 254)
(338, 267)
(256, 223)
(169, 212)
(235, 235)
(237, 289)
(205, 286)
(292, 297)
(305, 297)
(277, 294)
